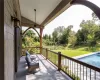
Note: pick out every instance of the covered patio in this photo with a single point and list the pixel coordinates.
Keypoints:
(14, 14)
(37, 14)
(56, 66)
(48, 71)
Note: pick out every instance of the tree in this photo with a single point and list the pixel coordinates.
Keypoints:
(30, 33)
(50, 37)
(94, 17)
(89, 29)
(30, 39)
(72, 38)
(57, 33)
(97, 35)
(45, 36)
(63, 39)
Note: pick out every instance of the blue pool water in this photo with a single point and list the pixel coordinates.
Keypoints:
(92, 59)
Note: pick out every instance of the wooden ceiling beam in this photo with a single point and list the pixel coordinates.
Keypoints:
(62, 6)
(28, 23)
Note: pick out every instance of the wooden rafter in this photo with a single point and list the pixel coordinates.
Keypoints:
(29, 23)
(63, 5)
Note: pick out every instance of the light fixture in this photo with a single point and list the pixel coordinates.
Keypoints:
(16, 21)
(35, 17)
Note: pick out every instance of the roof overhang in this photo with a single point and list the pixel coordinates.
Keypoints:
(47, 10)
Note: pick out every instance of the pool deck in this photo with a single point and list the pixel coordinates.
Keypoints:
(47, 71)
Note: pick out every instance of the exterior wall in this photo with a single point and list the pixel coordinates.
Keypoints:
(8, 40)
(1, 39)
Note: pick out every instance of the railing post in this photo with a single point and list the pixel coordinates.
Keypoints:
(40, 50)
(59, 61)
(46, 53)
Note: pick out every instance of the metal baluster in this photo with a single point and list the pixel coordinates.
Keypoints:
(77, 71)
(83, 72)
(65, 65)
(68, 67)
(86, 73)
(94, 75)
(80, 71)
(72, 68)
(56, 59)
(42, 52)
(98, 75)
(90, 74)
(45, 52)
(51, 56)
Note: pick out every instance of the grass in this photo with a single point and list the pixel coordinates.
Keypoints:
(72, 53)
(77, 51)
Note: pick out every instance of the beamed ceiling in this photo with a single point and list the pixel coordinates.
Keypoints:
(46, 11)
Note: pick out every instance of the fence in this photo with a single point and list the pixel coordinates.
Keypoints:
(76, 69)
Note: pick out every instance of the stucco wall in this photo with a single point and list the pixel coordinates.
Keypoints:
(8, 40)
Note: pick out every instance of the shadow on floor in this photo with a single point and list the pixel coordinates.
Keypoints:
(47, 71)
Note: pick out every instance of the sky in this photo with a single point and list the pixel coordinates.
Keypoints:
(72, 16)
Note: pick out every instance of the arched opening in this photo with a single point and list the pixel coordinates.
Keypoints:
(23, 34)
(30, 40)
(89, 4)
(69, 21)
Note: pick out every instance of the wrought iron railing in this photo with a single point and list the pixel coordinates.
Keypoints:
(53, 57)
(76, 69)
(44, 52)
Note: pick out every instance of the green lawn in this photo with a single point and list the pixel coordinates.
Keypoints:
(79, 50)
(73, 53)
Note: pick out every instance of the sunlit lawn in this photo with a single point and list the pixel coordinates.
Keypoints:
(73, 53)
(77, 51)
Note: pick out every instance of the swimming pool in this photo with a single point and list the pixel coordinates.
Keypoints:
(92, 59)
